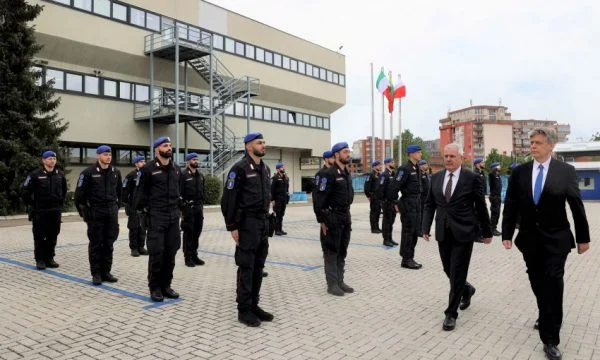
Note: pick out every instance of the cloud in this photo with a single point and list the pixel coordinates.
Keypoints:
(539, 57)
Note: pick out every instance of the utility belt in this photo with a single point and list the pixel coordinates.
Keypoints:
(104, 204)
(255, 214)
(192, 203)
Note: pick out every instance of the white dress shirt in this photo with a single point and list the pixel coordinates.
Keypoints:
(455, 176)
(536, 170)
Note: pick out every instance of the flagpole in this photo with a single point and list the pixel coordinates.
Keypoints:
(372, 117)
(382, 124)
(399, 126)
(391, 117)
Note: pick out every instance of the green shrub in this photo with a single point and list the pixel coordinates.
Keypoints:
(214, 187)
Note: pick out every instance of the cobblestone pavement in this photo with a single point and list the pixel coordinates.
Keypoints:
(394, 314)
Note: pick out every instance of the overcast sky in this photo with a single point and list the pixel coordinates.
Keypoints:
(541, 58)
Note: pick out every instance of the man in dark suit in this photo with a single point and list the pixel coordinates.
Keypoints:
(456, 197)
(537, 192)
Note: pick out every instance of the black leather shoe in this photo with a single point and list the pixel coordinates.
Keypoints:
(388, 243)
(410, 265)
(170, 293)
(335, 290)
(262, 315)
(536, 326)
(135, 252)
(109, 278)
(552, 352)
(143, 251)
(52, 264)
(449, 323)
(283, 232)
(496, 233)
(40, 265)
(198, 261)
(190, 263)
(248, 318)
(465, 302)
(278, 233)
(265, 274)
(393, 242)
(97, 279)
(345, 288)
(156, 295)
(375, 231)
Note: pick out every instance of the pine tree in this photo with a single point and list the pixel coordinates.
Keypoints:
(28, 121)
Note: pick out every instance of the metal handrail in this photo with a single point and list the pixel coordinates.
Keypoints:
(166, 38)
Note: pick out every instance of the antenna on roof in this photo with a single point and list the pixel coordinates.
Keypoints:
(500, 101)
(471, 102)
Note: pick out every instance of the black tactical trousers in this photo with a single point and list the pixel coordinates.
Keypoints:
(335, 247)
(163, 241)
(279, 209)
(250, 257)
(410, 216)
(389, 217)
(45, 227)
(103, 230)
(375, 205)
(137, 229)
(191, 225)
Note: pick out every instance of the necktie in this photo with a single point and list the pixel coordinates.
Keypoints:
(537, 189)
(448, 191)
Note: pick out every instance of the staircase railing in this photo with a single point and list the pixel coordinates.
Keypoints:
(167, 38)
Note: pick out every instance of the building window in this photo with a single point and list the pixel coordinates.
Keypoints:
(342, 80)
(322, 74)
(137, 17)
(284, 116)
(58, 77)
(124, 157)
(294, 65)
(301, 67)
(141, 92)
(119, 12)
(239, 109)
(258, 112)
(277, 60)
(205, 37)
(260, 54)
(194, 34)
(38, 74)
(305, 119)
(276, 115)
(102, 7)
(239, 48)
(229, 45)
(292, 117)
(125, 90)
(83, 4)
(319, 122)
(313, 121)
(587, 183)
(74, 154)
(286, 62)
(182, 31)
(110, 88)
(66, 2)
(329, 76)
(315, 72)
(229, 110)
(336, 78)
(217, 41)
(89, 156)
(268, 57)
(74, 82)
(153, 21)
(249, 51)
(326, 123)
(266, 113)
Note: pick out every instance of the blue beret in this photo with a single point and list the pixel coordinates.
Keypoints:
(279, 165)
(422, 162)
(103, 149)
(388, 160)
(477, 161)
(138, 158)
(412, 148)
(339, 146)
(161, 140)
(494, 164)
(48, 153)
(375, 163)
(327, 154)
(252, 136)
(191, 156)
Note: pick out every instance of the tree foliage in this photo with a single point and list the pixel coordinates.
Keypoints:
(214, 187)
(408, 138)
(28, 121)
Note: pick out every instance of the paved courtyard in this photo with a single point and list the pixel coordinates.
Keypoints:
(395, 313)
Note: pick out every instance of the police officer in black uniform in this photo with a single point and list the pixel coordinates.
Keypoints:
(371, 187)
(389, 211)
(280, 196)
(44, 192)
(495, 196)
(136, 222)
(328, 161)
(192, 195)
(157, 196)
(332, 208)
(478, 169)
(408, 182)
(97, 199)
(424, 169)
(245, 205)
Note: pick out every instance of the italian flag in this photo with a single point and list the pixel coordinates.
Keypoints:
(382, 83)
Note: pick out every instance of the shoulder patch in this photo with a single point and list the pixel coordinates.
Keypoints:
(80, 181)
(231, 180)
(137, 178)
(381, 180)
(323, 184)
(399, 176)
(317, 179)
(27, 180)
(125, 182)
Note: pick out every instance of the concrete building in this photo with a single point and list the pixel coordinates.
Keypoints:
(364, 146)
(119, 66)
(585, 157)
(521, 129)
(478, 129)
(481, 128)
